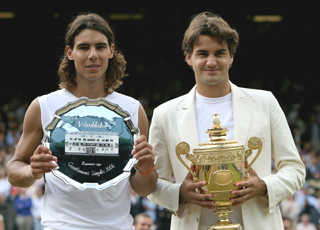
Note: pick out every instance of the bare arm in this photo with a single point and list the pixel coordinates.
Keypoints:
(31, 160)
(143, 184)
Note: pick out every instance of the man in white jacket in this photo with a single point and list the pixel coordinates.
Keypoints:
(209, 45)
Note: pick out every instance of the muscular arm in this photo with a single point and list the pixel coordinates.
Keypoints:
(143, 184)
(31, 160)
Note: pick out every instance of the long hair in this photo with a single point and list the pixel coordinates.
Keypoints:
(117, 64)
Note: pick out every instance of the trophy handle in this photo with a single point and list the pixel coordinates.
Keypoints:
(253, 144)
(184, 148)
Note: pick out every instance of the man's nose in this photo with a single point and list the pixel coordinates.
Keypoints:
(211, 61)
(93, 53)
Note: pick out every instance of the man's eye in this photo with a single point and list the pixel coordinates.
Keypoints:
(202, 54)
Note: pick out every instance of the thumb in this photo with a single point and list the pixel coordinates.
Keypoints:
(190, 175)
(193, 167)
(252, 172)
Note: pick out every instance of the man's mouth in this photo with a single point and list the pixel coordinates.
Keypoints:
(93, 66)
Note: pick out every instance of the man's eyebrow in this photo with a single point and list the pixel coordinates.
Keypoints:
(204, 51)
(97, 44)
(82, 44)
(102, 43)
(221, 50)
(201, 51)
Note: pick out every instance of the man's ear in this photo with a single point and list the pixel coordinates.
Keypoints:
(112, 48)
(188, 58)
(232, 57)
(69, 53)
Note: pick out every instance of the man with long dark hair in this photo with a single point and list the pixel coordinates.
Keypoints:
(91, 67)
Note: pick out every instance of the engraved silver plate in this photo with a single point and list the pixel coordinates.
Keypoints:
(92, 140)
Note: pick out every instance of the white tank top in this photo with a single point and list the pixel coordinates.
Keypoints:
(205, 107)
(65, 207)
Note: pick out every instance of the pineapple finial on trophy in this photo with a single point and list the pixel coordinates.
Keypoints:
(216, 121)
(217, 132)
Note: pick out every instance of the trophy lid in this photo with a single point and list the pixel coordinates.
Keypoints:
(218, 136)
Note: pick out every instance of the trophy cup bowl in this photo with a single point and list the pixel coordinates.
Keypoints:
(221, 163)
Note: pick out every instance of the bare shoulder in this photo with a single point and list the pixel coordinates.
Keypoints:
(32, 133)
(34, 108)
(143, 121)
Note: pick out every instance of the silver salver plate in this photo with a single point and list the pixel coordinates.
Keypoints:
(92, 140)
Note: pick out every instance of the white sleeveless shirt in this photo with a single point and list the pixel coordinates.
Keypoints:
(65, 207)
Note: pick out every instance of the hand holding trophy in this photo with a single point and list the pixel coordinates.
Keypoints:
(221, 163)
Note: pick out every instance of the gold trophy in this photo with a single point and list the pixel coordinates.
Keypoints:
(220, 162)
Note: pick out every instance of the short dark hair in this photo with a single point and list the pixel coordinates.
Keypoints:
(137, 217)
(213, 25)
(117, 65)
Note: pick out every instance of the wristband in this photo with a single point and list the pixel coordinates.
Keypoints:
(145, 173)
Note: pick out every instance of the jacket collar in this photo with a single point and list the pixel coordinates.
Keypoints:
(242, 112)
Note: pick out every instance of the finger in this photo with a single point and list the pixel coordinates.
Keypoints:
(239, 193)
(235, 204)
(202, 199)
(146, 159)
(140, 139)
(236, 201)
(145, 156)
(43, 158)
(246, 183)
(40, 171)
(43, 165)
(39, 168)
(141, 148)
(205, 204)
(41, 149)
(242, 184)
(196, 185)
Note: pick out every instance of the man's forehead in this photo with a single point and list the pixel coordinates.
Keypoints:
(89, 43)
(90, 36)
(201, 38)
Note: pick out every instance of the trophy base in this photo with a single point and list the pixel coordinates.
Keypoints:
(225, 226)
(224, 222)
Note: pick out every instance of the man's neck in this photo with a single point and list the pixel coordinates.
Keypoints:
(213, 91)
(89, 92)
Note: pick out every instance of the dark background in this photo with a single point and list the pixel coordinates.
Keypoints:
(281, 57)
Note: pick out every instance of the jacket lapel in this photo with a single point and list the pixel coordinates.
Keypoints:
(242, 112)
(186, 120)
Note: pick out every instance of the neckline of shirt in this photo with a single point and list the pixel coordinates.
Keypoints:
(213, 100)
(74, 97)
